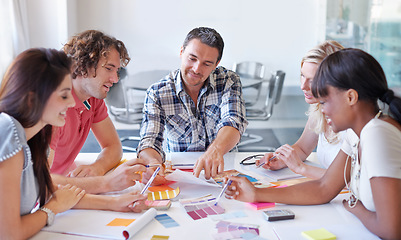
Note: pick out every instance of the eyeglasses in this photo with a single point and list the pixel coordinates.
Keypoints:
(251, 159)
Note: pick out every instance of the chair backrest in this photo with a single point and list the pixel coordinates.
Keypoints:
(275, 88)
(116, 97)
(250, 69)
(118, 103)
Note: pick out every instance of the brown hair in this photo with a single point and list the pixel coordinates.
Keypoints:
(86, 49)
(207, 36)
(26, 87)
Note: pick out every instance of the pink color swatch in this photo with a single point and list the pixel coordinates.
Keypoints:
(198, 211)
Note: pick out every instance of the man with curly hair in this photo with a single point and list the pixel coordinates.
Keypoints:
(96, 59)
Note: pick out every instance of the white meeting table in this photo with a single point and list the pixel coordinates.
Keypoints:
(331, 216)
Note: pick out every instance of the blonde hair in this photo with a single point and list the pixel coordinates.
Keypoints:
(317, 118)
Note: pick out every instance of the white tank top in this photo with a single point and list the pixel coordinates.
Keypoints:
(325, 151)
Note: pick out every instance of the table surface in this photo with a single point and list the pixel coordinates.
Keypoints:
(331, 216)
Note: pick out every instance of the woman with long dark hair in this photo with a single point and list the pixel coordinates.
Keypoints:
(35, 94)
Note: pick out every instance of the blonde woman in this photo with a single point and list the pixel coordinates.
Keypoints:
(316, 132)
(368, 163)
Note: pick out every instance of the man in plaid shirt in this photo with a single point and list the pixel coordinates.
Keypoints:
(199, 107)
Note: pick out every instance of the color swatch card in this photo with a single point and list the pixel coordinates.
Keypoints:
(237, 234)
(166, 221)
(225, 226)
(202, 199)
(160, 188)
(118, 222)
(163, 195)
(202, 210)
(226, 216)
(159, 237)
(229, 230)
(159, 204)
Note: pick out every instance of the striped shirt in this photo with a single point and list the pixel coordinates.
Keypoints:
(188, 127)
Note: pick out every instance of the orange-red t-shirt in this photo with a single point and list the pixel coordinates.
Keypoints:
(68, 140)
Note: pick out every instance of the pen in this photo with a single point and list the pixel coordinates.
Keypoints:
(183, 165)
(265, 162)
(150, 180)
(222, 191)
(152, 165)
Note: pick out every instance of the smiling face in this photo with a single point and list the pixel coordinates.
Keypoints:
(198, 60)
(106, 76)
(59, 101)
(308, 71)
(336, 108)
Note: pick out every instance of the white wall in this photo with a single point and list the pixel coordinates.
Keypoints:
(47, 23)
(276, 33)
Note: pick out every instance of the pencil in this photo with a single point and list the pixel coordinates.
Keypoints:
(153, 165)
(150, 180)
(183, 165)
(223, 190)
(264, 163)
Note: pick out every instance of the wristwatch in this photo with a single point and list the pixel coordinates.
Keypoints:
(50, 215)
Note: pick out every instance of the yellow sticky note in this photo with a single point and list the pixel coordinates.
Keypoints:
(120, 222)
(159, 237)
(318, 234)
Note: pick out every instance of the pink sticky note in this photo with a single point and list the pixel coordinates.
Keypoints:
(261, 205)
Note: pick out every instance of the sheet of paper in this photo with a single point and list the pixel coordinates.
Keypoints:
(181, 176)
(191, 157)
(279, 175)
(183, 157)
(94, 223)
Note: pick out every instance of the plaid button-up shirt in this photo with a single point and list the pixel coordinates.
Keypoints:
(189, 127)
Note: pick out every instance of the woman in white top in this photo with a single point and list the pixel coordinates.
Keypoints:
(316, 132)
(348, 84)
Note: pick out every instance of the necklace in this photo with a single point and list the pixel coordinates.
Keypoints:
(355, 176)
(355, 173)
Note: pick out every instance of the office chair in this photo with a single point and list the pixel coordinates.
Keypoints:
(122, 109)
(252, 76)
(273, 97)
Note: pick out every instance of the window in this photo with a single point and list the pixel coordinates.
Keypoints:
(374, 26)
